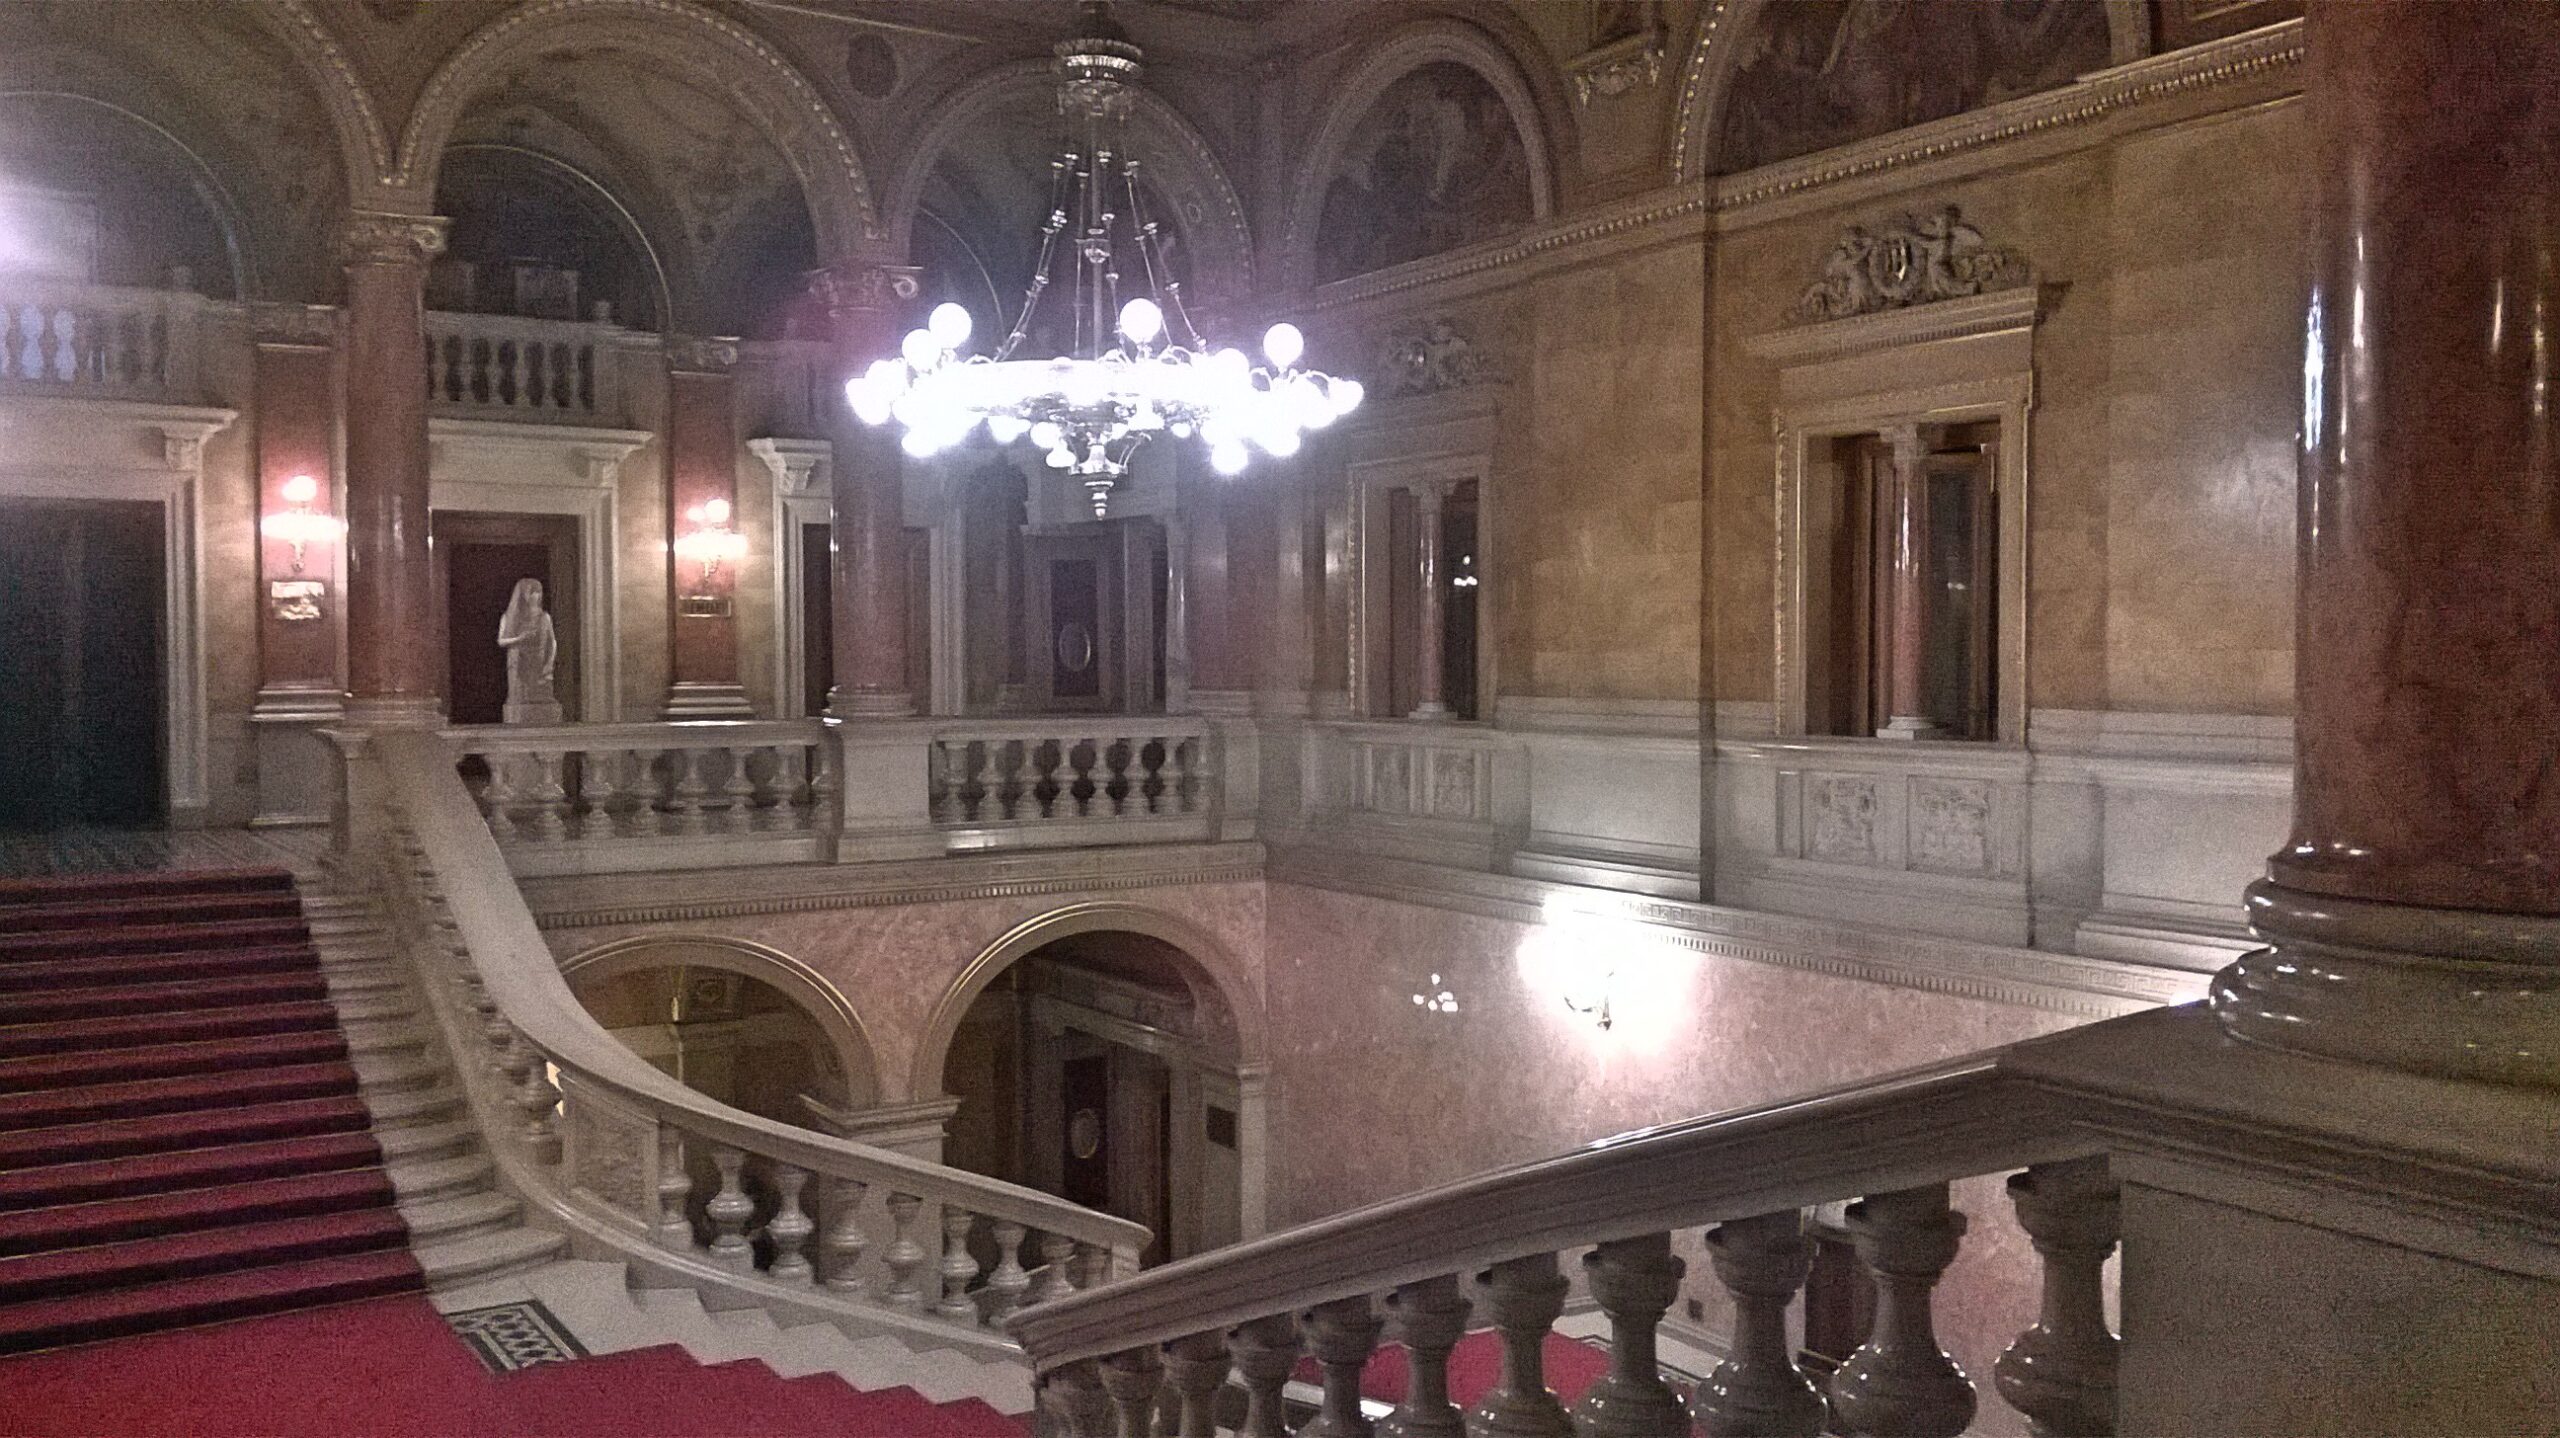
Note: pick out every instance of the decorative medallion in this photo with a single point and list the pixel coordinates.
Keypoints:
(1908, 261)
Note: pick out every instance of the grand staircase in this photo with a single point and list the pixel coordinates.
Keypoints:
(215, 1102)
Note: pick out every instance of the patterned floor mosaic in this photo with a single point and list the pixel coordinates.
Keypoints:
(509, 1336)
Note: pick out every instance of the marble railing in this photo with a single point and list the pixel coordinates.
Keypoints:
(1165, 1342)
(502, 367)
(670, 1179)
(569, 798)
(1068, 771)
(96, 340)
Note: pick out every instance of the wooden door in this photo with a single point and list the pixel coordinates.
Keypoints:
(1074, 613)
(85, 707)
(479, 558)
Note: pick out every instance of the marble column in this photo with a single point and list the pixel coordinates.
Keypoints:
(301, 613)
(864, 303)
(1906, 706)
(2414, 915)
(1430, 580)
(393, 647)
(702, 503)
(1217, 681)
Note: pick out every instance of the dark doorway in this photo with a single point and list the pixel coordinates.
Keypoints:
(81, 594)
(479, 558)
(817, 617)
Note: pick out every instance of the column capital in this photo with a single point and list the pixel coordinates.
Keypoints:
(373, 237)
(853, 289)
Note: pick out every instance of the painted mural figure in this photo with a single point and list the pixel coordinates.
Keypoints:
(1435, 163)
(532, 648)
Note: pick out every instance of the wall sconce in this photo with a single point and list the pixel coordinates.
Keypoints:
(710, 542)
(298, 525)
(1465, 578)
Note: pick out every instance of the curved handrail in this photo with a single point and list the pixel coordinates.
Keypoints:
(1926, 1125)
(520, 975)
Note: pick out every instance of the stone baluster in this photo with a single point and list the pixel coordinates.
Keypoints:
(674, 1228)
(1057, 1258)
(1634, 1281)
(904, 1256)
(596, 785)
(729, 1211)
(1010, 789)
(1116, 760)
(957, 1266)
(1341, 1334)
(1007, 1284)
(1093, 1265)
(941, 794)
(550, 798)
(789, 1228)
(1429, 1318)
(1186, 786)
(1152, 758)
(506, 1056)
(844, 1241)
(689, 816)
(1074, 1396)
(1135, 1380)
(1524, 1297)
(535, 1098)
(1266, 1353)
(1900, 1383)
(2061, 1372)
(646, 820)
(791, 804)
(1081, 755)
(1758, 1391)
(1046, 757)
(499, 797)
(971, 786)
(738, 791)
(823, 782)
(1198, 1367)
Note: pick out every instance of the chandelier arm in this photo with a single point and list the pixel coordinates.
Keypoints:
(1160, 270)
(1040, 269)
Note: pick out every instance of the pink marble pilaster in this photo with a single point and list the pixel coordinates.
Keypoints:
(864, 304)
(1906, 708)
(702, 480)
(1430, 578)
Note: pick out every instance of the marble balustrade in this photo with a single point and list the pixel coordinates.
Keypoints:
(678, 1181)
(505, 367)
(97, 341)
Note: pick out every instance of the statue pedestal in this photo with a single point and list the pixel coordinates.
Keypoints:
(539, 711)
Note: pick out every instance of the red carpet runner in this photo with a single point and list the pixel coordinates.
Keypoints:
(180, 1137)
(390, 1368)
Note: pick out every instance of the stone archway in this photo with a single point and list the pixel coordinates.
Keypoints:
(820, 1000)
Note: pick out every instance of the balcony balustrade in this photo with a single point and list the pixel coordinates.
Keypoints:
(97, 341)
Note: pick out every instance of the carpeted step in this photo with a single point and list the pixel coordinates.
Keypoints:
(96, 1103)
(50, 1323)
(127, 1030)
(103, 1267)
(153, 938)
(162, 883)
(147, 1061)
(87, 914)
(97, 971)
(55, 1005)
(253, 1201)
(106, 1178)
(163, 1133)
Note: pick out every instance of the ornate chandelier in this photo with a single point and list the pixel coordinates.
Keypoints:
(1091, 408)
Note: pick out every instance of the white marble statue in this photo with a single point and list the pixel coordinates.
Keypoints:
(532, 650)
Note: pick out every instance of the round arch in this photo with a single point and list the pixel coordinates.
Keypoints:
(770, 91)
(822, 1001)
(1235, 986)
(228, 215)
(1173, 149)
(1407, 50)
(364, 142)
(1717, 51)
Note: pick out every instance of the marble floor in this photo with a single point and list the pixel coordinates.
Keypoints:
(112, 851)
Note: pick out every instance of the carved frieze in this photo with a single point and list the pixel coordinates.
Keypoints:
(1453, 785)
(1951, 825)
(1433, 356)
(1841, 818)
(371, 237)
(1908, 261)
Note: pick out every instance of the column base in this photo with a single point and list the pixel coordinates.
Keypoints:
(689, 700)
(1910, 726)
(847, 703)
(392, 711)
(297, 768)
(1432, 711)
(545, 712)
(2458, 993)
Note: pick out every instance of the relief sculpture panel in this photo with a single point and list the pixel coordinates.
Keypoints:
(1951, 825)
(1840, 818)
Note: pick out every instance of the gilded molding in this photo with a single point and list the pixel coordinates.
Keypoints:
(1615, 69)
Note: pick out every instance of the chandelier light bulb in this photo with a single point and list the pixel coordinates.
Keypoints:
(871, 403)
(1229, 457)
(918, 443)
(1061, 457)
(1047, 434)
(1282, 344)
(1141, 321)
(1346, 396)
(1229, 366)
(1005, 428)
(949, 325)
(715, 511)
(921, 350)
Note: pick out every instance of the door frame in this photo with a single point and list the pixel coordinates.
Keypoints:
(152, 453)
(497, 467)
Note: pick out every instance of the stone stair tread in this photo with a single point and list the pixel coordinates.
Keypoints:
(385, 1075)
(419, 1179)
(749, 1320)
(439, 1220)
(412, 1105)
(423, 1140)
(481, 1255)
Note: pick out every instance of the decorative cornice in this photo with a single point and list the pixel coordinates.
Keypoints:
(374, 237)
(874, 892)
(1655, 217)
(1917, 324)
